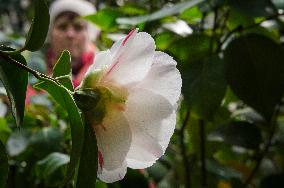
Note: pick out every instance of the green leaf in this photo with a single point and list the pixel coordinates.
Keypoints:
(158, 171)
(63, 65)
(66, 82)
(4, 166)
(191, 48)
(45, 141)
(238, 133)
(134, 178)
(191, 15)
(204, 85)
(236, 19)
(100, 184)
(253, 8)
(62, 69)
(15, 81)
(87, 172)
(65, 99)
(132, 9)
(167, 11)
(222, 171)
(275, 180)
(39, 28)
(255, 71)
(164, 40)
(5, 130)
(50, 167)
(18, 142)
(278, 3)
(105, 19)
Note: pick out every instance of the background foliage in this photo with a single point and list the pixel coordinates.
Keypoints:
(230, 127)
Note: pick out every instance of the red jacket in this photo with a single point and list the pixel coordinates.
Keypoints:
(78, 72)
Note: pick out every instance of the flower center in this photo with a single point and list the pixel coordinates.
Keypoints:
(110, 97)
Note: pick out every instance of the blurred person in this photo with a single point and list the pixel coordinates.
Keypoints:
(68, 31)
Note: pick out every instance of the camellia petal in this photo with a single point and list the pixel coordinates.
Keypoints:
(134, 60)
(119, 46)
(147, 110)
(114, 139)
(144, 151)
(163, 78)
(170, 123)
(102, 59)
(146, 113)
(113, 175)
(140, 89)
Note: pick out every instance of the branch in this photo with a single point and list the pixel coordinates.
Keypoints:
(37, 74)
(240, 28)
(183, 151)
(266, 147)
(202, 153)
(201, 25)
(215, 26)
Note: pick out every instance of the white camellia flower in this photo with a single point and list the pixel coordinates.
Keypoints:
(139, 90)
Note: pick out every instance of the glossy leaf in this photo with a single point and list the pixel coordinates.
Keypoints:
(255, 8)
(62, 69)
(134, 178)
(4, 166)
(45, 141)
(87, 172)
(17, 143)
(237, 19)
(164, 40)
(100, 184)
(278, 3)
(132, 9)
(204, 85)
(105, 19)
(5, 130)
(65, 99)
(255, 72)
(63, 65)
(191, 48)
(39, 28)
(222, 171)
(167, 11)
(273, 180)
(191, 15)
(239, 134)
(15, 81)
(48, 167)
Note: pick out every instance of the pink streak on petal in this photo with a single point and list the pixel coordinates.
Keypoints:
(101, 159)
(123, 43)
(112, 67)
(127, 37)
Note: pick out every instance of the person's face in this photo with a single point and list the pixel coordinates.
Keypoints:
(69, 32)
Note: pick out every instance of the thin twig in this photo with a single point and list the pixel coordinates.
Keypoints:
(37, 74)
(183, 151)
(266, 147)
(215, 26)
(223, 27)
(202, 153)
(201, 26)
(240, 28)
(215, 23)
